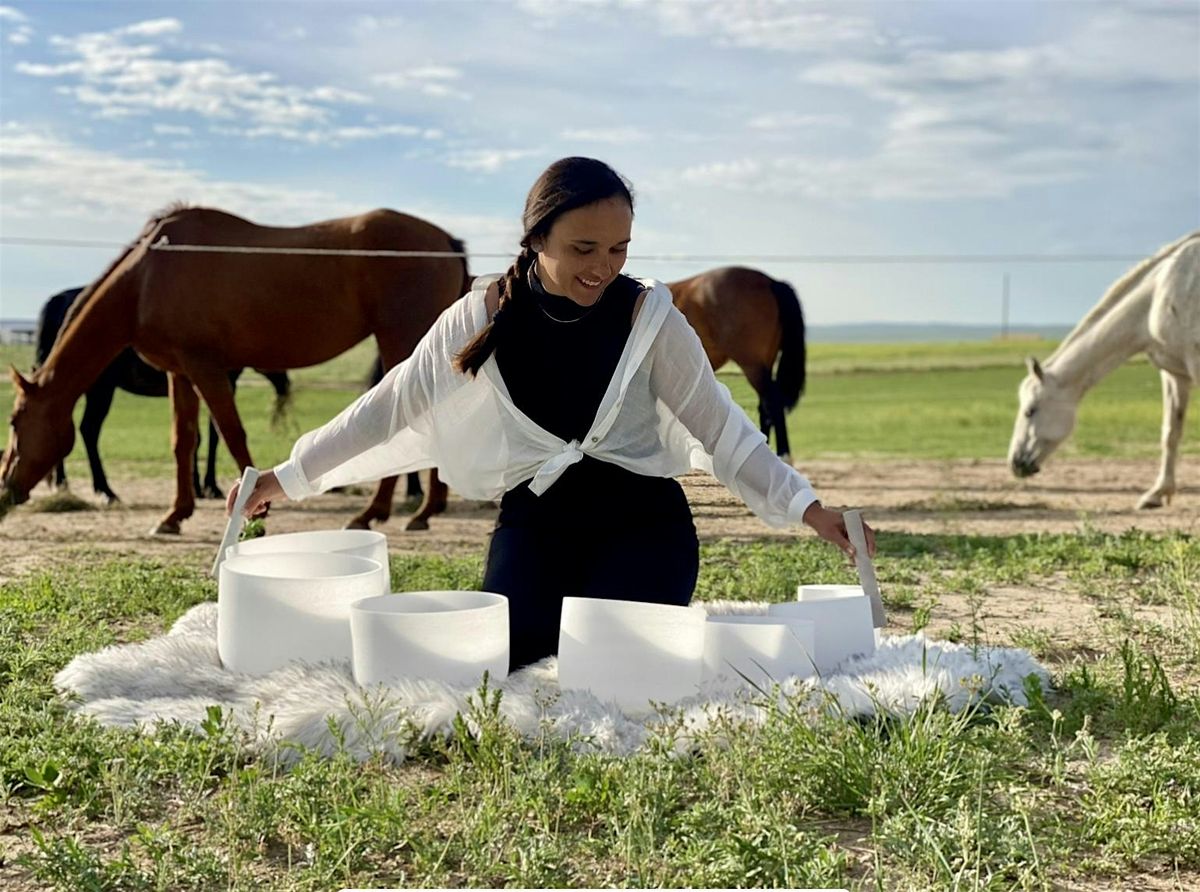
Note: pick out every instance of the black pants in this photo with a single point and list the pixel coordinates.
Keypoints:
(535, 567)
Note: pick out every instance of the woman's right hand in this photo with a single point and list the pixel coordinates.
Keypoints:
(266, 490)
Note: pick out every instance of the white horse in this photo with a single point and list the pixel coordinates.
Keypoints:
(1153, 309)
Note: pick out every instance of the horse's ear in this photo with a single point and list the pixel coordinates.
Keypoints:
(19, 381)
(1035, 368)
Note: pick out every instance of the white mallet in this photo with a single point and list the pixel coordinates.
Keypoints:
(245, 487)
(866, 570)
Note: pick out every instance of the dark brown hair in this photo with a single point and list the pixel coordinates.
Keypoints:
(565, 185)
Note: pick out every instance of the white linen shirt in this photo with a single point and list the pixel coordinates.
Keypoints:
(664, 413)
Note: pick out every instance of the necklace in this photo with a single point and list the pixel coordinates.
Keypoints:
(535, 283)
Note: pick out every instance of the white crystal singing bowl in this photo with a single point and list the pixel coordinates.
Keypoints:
(761, 649)
(275, 608)
(361, 543)
(842, 626)
(630, 652)
(825, 592)
(449, 636)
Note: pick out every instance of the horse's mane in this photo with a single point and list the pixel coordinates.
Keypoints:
(81, 301)
(1117, 291)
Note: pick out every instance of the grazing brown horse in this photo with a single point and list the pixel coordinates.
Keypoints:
(198, 315)
(748, 317)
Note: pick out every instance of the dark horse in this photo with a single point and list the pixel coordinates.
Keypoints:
(199, 315)
(130, 373)
(745, 316)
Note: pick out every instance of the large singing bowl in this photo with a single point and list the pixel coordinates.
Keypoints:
(449, 636)
(360, 543)
(842, 623)
(275, 608)
(630, 652)
(823, 592)
(758, 649)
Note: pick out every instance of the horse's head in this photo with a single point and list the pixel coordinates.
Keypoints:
(1045, 417)
(41, 432)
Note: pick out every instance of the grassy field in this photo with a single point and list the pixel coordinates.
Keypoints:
(1098, 781)
(869, 400)
(1095, 785)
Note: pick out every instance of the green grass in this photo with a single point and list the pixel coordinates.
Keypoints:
(1095, 782)
(944, 401)
(1098, 780)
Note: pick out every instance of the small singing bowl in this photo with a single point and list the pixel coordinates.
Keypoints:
(451, 636)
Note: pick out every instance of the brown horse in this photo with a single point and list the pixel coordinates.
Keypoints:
(198, 315)
(748, 317)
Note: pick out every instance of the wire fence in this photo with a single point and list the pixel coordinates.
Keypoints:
(37, 241)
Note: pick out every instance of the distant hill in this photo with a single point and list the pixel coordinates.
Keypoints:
(891, 332)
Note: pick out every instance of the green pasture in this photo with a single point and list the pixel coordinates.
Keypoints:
(944, 401)
(1094, 785)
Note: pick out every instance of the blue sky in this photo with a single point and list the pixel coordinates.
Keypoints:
(748, 127)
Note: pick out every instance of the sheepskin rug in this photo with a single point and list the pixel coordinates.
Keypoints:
(178, 676)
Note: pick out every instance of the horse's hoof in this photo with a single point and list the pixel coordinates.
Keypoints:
(359, 523)
(211, 492)
(1152, 500)
(417, 523)
(166, 528)
(111, 500)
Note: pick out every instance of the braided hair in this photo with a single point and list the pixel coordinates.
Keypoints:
(565, 185)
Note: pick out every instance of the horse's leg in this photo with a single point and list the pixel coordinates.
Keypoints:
(211, 489)
(208, 489)
(394, 346)
(185, 413)
(217, 391)
(1176, 390)
(414, 490)
(96, 405)
(760, 379)
(435, 503)
(779, 420)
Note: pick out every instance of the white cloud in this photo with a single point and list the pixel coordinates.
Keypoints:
(917, 171)
(46, 177)
(152, 28)
(430, 80)
(487, 160)
(119, 74)
(794, 121)
(172, 130)
(615, 135)
(781, 25)
(330, 135)
(20, 32)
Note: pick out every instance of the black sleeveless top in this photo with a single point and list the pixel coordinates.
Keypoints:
(557, 363)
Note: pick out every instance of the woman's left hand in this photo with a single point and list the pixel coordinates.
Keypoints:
(831, 526)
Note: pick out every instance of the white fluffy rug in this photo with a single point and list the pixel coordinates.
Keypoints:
(177, 676)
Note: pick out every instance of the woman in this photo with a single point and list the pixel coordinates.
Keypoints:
(575, 395)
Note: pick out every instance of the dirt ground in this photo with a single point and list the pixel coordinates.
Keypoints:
(917, 496)
(976, 496)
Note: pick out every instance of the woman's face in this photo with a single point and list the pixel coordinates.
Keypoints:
(585, 249)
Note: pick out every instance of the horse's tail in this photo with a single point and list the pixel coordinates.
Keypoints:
(375, 375)
(793, 354)
(460, 247)
(283, 396)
